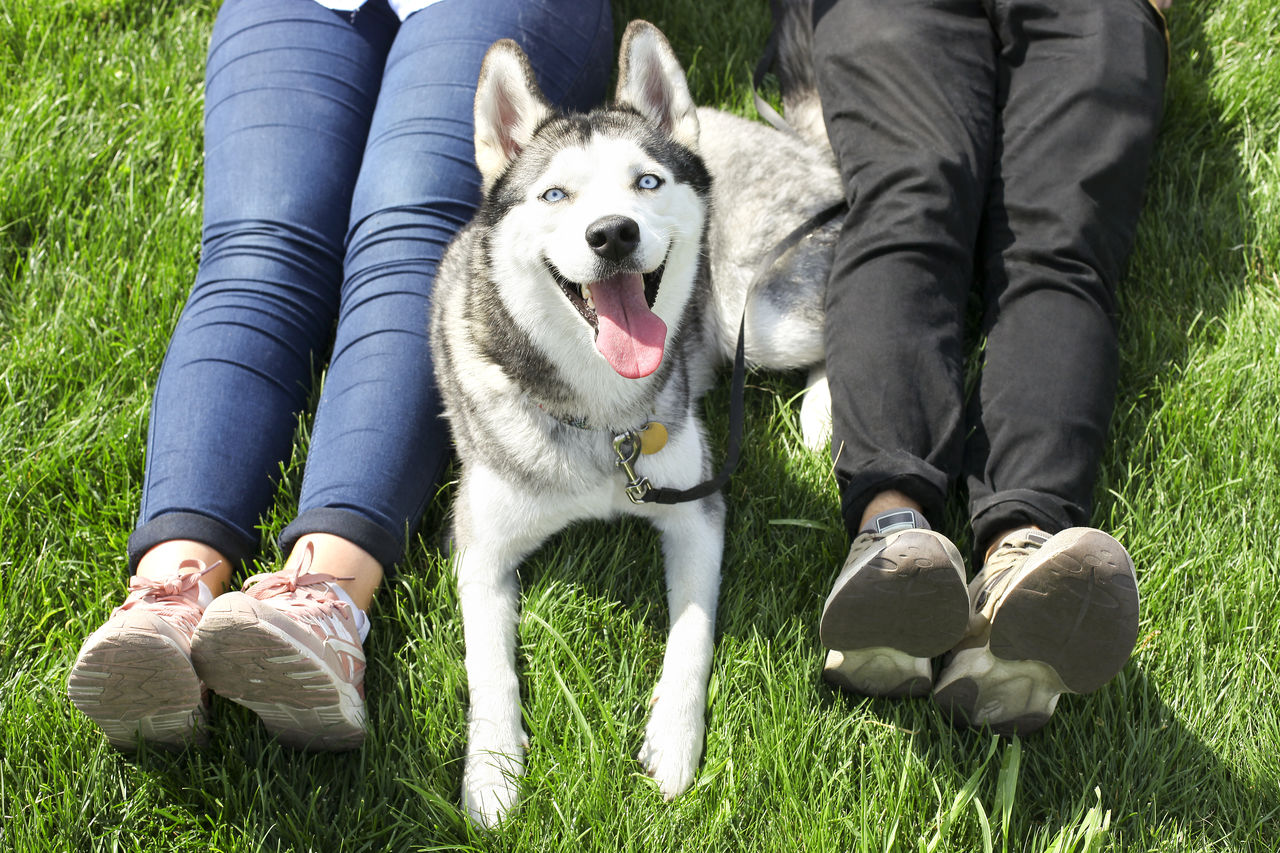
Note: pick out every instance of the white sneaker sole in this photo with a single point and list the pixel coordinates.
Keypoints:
(879, 672)
(1010, 696)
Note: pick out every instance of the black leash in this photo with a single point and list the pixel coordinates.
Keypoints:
(627, 445)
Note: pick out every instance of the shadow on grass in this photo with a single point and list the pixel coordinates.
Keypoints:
(247, 791)
(1162, 784)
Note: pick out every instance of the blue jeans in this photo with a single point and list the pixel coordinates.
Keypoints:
(338, 165)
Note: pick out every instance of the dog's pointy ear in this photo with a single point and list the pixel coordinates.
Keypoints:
(509, 108)
(651, 80)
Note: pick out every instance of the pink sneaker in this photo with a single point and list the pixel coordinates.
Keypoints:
(288, 648)
(133, 676)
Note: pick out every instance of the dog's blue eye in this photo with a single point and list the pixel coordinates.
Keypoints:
(649, 182)
(553, 195)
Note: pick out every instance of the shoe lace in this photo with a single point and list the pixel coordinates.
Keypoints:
(297, 587)
(175, 598)
(999, 568)
(865, 540)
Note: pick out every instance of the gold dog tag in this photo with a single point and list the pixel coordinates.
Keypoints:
(653, 437)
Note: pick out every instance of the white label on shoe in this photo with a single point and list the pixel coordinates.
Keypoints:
(889, 522)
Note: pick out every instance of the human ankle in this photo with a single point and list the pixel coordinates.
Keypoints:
(888, 501)
(354, 569)
(165, 559)
(1001, 536)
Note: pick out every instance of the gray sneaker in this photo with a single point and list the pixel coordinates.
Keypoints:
(899, 601)
(1053, 614)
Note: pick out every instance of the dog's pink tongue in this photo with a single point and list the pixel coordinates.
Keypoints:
(631, 336)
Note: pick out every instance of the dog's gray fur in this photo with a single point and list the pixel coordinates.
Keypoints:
(533, 400)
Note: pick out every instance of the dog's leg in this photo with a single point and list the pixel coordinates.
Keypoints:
(496, 526)
(496, 742)
(815, 411)
(692, 545)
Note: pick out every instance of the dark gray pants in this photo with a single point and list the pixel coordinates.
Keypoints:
(995, 149)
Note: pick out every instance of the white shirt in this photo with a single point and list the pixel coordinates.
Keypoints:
(402, 8)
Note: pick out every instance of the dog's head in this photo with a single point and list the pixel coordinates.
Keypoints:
(596, 220)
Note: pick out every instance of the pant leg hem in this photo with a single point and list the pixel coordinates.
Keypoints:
(1022, 507)
(860, 491)
(180, 524)
(384, 546)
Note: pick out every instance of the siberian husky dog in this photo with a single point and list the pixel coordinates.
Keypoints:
(576, 323)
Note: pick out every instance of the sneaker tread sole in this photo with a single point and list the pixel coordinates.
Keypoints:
(1067, 625)
(298, 696)
(138, 685)
(911, 598)
(1076, 610)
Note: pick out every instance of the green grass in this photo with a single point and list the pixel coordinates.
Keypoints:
(100, 105)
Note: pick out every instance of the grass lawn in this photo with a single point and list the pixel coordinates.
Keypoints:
(100, 182)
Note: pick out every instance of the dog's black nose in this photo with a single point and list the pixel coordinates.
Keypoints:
(613, 237)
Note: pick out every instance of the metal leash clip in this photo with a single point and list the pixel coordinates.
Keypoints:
(627, 446)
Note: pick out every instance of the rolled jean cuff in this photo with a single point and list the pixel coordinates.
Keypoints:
(1008, 510)
(920, 488)
(384, 546)
(223, 538)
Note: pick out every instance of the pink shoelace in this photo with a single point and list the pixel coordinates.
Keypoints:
(176, 598)
(298, 587)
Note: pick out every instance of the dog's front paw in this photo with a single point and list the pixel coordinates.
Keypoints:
(672, 745)
(491, 783)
